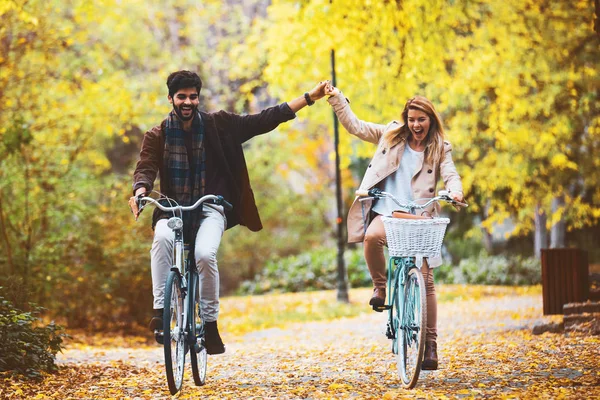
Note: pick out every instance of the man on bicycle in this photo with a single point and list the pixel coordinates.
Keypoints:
(197, 153)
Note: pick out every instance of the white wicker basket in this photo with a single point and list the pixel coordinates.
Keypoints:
(415, 237)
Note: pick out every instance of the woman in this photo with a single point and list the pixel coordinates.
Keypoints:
(409, 160)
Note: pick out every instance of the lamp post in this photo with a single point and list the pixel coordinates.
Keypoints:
(342, 285)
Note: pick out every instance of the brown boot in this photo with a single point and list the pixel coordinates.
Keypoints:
(378, 299)
(430, 359)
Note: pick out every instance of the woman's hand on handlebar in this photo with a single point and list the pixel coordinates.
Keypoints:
(458, 197)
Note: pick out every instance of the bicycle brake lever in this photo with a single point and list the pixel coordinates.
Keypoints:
(375, 192)
(140, 203)
(221, 201)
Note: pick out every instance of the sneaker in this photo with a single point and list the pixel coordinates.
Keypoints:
(378, 299)
(156, 323)
(430, 359)
(212, 339)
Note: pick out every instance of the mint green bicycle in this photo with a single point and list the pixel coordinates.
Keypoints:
(409, 242)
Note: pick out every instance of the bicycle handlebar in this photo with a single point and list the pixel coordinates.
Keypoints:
(216, 199)
(443, 195)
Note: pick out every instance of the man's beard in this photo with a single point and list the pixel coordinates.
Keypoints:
(180, 114)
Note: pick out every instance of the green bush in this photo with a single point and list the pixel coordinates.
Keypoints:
(315, 270)
(27, 349)
(461, 245)
(492, 270)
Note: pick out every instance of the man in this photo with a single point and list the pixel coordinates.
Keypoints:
(197, 153)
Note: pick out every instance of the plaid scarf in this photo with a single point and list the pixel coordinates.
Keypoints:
(187, 181)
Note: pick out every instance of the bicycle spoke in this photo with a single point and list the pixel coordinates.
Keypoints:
(198, 354)
(411, 336)
(175, 347)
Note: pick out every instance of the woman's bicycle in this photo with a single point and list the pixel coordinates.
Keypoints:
(183, 325)
(409, 241)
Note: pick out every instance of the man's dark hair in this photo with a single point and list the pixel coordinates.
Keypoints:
(182, 80)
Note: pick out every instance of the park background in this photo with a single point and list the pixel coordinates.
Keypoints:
(516, 82)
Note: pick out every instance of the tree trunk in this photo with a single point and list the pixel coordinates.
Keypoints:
(541, 233)
(487, 236)
(558, 230)
(3, 230)
(597, 20)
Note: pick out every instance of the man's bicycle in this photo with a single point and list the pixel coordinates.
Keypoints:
(409, 241)
(183, 325)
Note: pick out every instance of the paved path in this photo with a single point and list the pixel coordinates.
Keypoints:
(456, 318)
(486, 351)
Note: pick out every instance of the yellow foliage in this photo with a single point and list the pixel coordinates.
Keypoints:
(516, 83)
(496, 65)
(560, 161)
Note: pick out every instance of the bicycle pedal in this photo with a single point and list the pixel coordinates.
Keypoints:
(159, 336)
(381, 308)
(197, 348)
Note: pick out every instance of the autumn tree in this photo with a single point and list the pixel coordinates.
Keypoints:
(79, 84)
(516, 82)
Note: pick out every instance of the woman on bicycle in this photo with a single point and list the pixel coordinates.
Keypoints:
(409, 160)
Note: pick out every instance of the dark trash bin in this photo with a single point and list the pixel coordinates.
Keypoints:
(564, 278)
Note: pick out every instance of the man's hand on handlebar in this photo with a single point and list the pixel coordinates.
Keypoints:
(134, 202)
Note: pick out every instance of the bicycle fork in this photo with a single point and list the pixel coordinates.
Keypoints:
(397, 282)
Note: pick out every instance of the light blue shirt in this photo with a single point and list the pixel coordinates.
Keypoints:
(399, 182)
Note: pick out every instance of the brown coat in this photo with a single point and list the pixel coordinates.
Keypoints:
(224, 134)
(386, 161)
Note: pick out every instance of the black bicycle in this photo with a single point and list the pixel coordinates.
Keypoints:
(183, 325)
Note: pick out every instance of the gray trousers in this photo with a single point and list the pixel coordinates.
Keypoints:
(207, 244)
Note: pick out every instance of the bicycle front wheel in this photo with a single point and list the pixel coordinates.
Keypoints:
(174, 333)
(198, 355)
(413, 323)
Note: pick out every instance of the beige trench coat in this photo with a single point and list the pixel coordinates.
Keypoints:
(386, 161)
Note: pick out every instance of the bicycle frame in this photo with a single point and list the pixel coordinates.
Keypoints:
(398, 268)
(181, 265)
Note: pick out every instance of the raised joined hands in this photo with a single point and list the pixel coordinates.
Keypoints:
(331, 90)
(318, 91)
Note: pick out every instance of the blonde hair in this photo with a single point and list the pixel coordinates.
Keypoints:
(434, 141)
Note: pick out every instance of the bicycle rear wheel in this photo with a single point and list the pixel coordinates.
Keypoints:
(174, 336)
(413, 323)
(198, 355)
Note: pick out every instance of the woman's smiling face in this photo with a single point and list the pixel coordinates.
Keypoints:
(418, 123)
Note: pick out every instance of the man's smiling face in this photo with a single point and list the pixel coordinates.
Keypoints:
(185, 103)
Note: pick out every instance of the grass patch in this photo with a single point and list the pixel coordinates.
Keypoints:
(453, 292)
(244, 314)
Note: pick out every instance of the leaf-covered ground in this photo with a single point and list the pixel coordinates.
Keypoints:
(308, 346)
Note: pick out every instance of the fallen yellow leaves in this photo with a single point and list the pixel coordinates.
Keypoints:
(347, 358)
